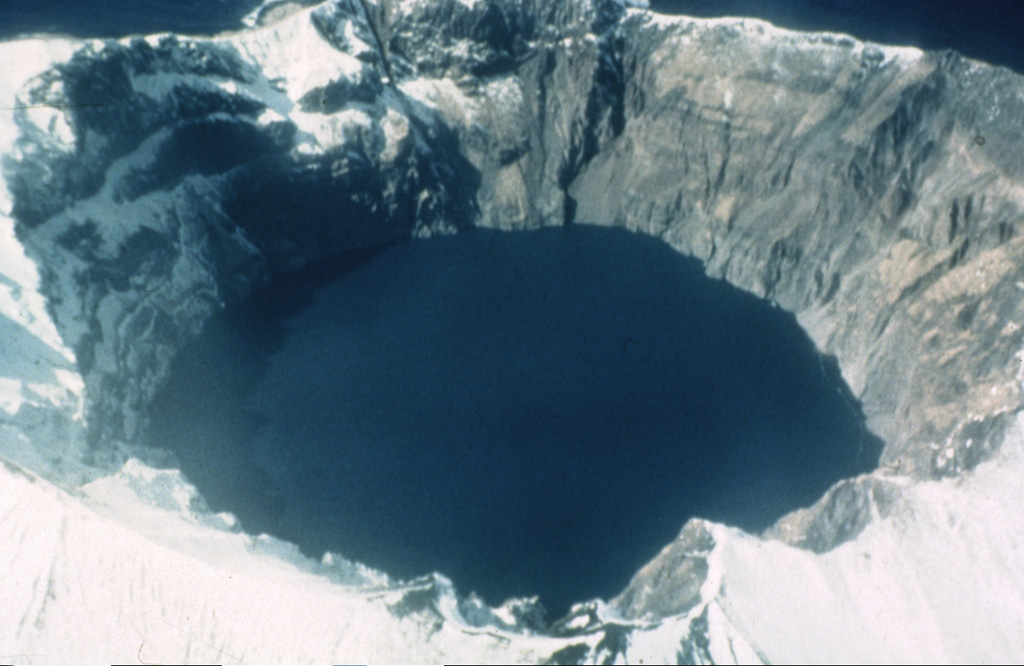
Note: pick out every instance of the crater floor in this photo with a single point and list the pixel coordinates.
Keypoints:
(528, 413)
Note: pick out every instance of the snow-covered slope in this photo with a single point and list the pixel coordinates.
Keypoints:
(100, 575)
(149, 183)
(38, 374)
(124, 569)
(940, 580)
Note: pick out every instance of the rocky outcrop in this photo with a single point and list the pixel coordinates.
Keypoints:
(670, 583)
(876, 193)
(181, 189)
(840, 180)
(846, 185)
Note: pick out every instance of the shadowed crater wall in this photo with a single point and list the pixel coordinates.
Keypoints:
(528, 413)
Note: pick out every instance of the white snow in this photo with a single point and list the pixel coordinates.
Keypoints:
(32, 352)
(408, 6)
(19, 280)
(293, 53)
(328, 131)
(21, 302)
(24, 59)
(942, 580)
(758, 30)
(456, 105)
(269, 10)
(576, 623)
(11, 398)
(128, 564)
(657, 643)
(396, 130)
(357, 45)
(125, 570)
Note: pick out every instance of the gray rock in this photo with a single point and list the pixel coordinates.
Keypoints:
(670, 583)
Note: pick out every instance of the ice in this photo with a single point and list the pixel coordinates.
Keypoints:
(10, 395)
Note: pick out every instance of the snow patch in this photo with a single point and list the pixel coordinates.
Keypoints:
(657, 643)
(10, 395)
(356, 45)
(444, 96)
(319, 132)
(293, 53)
(940, 579)
(164, 489)
(54, 121)
(396, 131)
(24, 59)
(753, 29)
(20, 300)
(150, 571)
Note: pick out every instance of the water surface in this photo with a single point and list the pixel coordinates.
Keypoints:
(528, 413)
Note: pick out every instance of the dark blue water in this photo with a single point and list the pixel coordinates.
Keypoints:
(118, 18)
(529, 413)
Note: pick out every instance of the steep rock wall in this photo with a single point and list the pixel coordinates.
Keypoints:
(874, 192)
(871, 193)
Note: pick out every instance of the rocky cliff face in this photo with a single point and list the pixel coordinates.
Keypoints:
(845, 184)
(876, 193)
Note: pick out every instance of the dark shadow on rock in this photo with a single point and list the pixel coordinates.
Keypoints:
(528, 413)
(204, 398)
